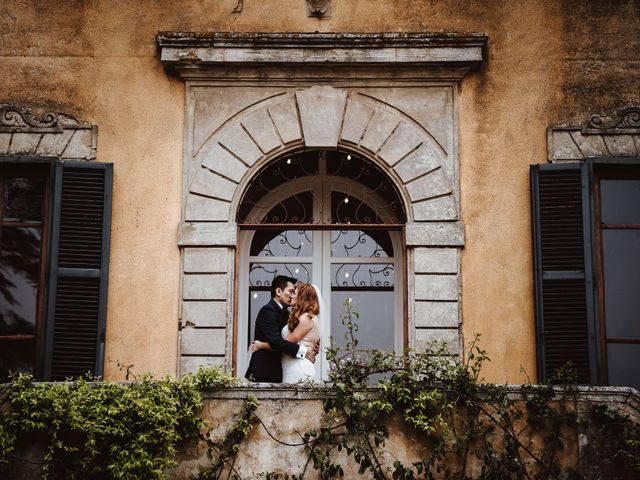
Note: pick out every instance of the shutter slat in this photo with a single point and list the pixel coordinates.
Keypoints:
(82, 201)
(70, 335)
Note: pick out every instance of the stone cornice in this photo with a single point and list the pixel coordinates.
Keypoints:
(201, 50)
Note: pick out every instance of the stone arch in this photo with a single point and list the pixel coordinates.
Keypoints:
(320, 117)
(225, 152)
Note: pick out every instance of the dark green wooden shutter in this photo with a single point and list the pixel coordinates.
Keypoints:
(563, 274)
(78, 270)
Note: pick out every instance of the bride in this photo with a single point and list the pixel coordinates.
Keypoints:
(302, 328)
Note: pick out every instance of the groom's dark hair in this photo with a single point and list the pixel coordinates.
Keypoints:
(280, 281)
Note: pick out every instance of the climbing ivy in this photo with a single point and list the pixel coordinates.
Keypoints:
(103, 430)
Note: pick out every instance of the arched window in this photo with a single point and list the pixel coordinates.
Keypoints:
(334, 219)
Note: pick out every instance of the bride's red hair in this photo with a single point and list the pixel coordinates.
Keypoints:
(307, 302)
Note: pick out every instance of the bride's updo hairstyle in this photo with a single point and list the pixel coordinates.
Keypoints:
(307, 302)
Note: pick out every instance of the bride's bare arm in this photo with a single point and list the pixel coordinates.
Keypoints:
(305, 325)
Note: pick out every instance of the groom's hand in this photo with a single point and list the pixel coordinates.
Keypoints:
(311, 355)
(313, 351)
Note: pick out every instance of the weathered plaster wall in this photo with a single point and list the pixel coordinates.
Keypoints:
(548, 62)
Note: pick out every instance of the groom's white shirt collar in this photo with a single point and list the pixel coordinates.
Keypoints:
(279, 304)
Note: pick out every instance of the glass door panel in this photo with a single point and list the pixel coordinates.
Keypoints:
(371, 289)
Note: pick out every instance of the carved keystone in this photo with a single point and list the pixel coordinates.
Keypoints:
(321, 110)
(318, 8)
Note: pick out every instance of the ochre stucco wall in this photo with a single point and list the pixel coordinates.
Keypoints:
(548, 62)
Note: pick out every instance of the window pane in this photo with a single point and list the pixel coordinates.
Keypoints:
(371, 290)
(295, 209)
(362, 275)
(620, 200)
(19, 276)
(621, 250)
(23, 199)
(261, 274)
(376, 321)
(357, 243)
(623, 360)
(354, 168)
(286, 243)
(270, 178)
(16, 356)
(348, 209)
(257, 298)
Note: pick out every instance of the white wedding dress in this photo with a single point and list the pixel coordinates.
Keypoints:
(296, 370)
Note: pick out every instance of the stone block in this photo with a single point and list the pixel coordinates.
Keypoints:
(433, 184)
(285, 118)
(436, 234)
(207, 234)
(221, 161)
(562, 147)
(206, 260)
(262, 130)
(435, 260)
(417, 163)
(204, 314)
(54, 143)
(621, 145)
(205, 287)
(436, 209)
(79, 146)
(206, 209)
(590, 145)
(436, 287)
(5, 141)
(426, 338)
(321, 110)
(203, 341)
(355, 121)
(380, 127)
(211, 184)
(210, 107)
(436, 314)
(237, 141)
(404, 139)
(24, 143)
(192, 364)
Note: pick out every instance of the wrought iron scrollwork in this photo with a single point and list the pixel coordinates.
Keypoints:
(377, 203)
(357, 243)
(261, 274)
(362, 275)
(286, 243)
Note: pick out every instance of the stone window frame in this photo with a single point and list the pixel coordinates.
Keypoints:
(316, 66)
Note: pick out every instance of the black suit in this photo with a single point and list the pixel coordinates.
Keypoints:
(265, 365)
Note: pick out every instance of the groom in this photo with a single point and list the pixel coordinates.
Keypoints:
(265, 365)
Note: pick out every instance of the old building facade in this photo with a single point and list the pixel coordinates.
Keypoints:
(379, 149)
